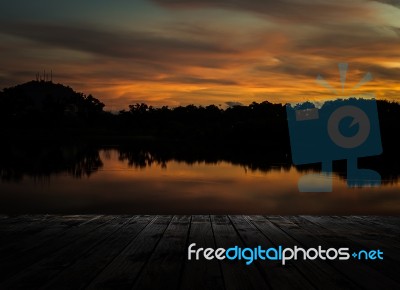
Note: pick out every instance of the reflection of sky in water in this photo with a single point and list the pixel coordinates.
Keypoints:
(190, 189)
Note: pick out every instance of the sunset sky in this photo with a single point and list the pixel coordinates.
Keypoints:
(179, 52)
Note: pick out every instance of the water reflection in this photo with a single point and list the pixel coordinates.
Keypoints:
(40, 162)
(90, 179)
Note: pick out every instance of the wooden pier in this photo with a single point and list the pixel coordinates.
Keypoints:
(150, 252)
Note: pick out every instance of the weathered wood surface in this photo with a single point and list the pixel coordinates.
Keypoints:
(150, 252)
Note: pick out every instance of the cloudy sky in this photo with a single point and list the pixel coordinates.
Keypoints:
(179, 52)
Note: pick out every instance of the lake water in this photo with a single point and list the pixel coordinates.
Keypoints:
(108, 182)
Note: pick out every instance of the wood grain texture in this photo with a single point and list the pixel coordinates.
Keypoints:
(150, 252)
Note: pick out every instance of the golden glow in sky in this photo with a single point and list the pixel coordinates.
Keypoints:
(180, 52)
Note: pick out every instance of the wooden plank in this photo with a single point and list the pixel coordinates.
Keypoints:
(122, 272)
(49, 265)
(18, 224)
(362, 237)
(15, 219)
(85, 269)
(120, 252)
(39, 233)
(312, 271)
(381, 226)
(30, 225)
(163, 270)
(323, 273)
(370, 235)
(277, 276)
(236, 274)
(363, 275)
(23, 258)
(383, 220)
(202, 274)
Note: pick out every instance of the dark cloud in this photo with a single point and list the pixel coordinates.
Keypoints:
(395, 3)
(117, 44)
(339, 44)
(396, 30)
(306, 11)
(379, 72)
(233, 104)
(298, 69)
(198, 80)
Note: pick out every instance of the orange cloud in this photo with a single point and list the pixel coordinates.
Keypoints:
(274, 52)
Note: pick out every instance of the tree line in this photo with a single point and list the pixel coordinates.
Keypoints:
(50, 108)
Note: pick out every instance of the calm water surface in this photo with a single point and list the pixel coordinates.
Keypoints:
(115, 185)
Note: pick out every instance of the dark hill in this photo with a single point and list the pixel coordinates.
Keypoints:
(45, 100)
